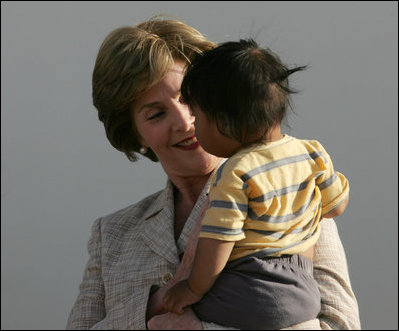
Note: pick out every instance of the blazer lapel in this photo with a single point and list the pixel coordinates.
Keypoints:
(158, 231)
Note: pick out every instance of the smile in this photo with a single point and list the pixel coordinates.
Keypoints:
(189, 143)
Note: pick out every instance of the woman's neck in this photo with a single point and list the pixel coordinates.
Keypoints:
(187, 190)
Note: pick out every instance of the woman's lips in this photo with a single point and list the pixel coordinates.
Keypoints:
(189, 143)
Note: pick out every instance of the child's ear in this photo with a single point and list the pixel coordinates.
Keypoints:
(223, 125)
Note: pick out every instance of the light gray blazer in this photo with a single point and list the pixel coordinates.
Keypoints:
(134, 248)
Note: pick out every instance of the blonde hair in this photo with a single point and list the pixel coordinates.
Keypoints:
(130, 61)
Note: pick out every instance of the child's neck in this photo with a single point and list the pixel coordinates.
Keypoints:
(274, 134)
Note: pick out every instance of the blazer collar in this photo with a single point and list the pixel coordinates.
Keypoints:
(158, 229)
(165, 200)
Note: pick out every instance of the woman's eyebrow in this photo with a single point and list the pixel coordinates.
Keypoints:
(148, 105)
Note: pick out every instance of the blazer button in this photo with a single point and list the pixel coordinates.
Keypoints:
(167, 277)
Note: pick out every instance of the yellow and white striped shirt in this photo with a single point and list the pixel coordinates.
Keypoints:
(272, 196)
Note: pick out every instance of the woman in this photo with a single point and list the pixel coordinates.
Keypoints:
(134, 252)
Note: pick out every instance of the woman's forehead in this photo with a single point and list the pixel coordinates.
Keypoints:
(178, 67)
(168, 86)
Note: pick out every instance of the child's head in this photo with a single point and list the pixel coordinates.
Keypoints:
(240, 87)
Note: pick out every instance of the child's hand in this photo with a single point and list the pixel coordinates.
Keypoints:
(178, 297)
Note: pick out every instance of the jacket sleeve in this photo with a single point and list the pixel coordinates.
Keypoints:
(89, 309)
(339, 307)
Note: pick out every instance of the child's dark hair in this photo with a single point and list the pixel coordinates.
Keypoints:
(241, 86)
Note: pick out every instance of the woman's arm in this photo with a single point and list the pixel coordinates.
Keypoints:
(339, 308)
(89, 308)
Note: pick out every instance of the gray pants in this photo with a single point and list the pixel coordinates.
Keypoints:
(262, 293)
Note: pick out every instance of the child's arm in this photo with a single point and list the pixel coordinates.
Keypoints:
(210, 259)
(337, 210)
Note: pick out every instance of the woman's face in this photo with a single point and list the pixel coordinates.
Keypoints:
(167, 127)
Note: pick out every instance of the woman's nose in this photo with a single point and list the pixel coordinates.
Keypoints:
(183, 119)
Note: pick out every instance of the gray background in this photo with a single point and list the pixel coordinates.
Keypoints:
(59, 173)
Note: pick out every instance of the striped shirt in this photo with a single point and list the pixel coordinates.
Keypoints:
(271, 197)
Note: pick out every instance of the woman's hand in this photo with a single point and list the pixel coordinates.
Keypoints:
(155, 303)
(170, 321)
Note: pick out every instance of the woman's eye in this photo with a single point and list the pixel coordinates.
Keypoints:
(154, 115)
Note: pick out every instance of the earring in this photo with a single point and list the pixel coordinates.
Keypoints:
(143, 150)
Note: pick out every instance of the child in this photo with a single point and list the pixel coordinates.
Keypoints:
(252, 268)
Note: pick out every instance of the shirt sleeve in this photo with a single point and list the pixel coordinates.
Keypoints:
(224, 219)
(333, 185)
